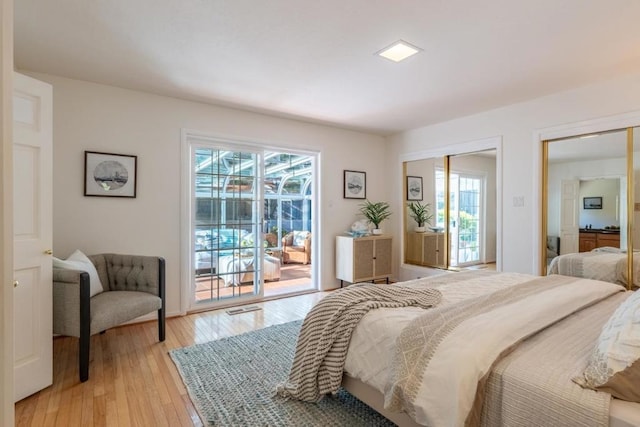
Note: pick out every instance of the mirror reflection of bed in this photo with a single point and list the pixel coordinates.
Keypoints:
(588, 203)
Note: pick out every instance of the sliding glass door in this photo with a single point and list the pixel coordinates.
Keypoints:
(250, 222)
(465, 215)
(227, 257)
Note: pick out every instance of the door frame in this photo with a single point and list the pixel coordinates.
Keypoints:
(185, 207)
(7, 411)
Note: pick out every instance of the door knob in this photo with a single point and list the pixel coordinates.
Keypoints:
(48, 252)
(15, 283)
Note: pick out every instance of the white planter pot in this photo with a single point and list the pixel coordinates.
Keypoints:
(420, 229)
(377, 231)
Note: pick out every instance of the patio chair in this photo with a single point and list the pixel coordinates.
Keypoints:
(296, 247)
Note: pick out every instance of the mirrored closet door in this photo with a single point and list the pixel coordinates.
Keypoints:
(588, 205)
(459, 195)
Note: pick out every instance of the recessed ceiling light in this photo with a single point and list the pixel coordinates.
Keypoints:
(398, 51)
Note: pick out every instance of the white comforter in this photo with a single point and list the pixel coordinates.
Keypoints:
(448, 390)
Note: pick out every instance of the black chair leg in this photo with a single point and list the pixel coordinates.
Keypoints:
(85, 326)
(161, 294)
(84, 357)
(161, 326)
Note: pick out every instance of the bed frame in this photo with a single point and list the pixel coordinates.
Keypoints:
(375, 400)
(622, 414)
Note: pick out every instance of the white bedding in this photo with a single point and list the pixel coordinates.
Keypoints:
(373, 341)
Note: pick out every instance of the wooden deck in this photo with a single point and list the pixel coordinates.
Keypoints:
(293, 278)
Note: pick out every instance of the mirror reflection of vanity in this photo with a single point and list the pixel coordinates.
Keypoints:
(463, 229)
(590, 184)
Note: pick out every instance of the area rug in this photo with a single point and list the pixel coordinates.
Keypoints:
(231, 382)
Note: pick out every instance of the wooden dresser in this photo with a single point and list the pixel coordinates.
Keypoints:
(363, 259)
(590, 240)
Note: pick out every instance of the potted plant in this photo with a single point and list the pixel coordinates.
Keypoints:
(375, 213)
(420, 214)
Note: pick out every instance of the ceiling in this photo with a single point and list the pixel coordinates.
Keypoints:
(315, 61)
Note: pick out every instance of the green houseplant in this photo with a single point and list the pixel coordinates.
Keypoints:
(375, 213)
(420, 214)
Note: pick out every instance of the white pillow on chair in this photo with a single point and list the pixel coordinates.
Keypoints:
(79, 261)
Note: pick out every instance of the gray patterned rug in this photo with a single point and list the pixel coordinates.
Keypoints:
(231, 382)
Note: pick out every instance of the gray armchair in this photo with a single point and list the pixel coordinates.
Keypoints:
(133, 286)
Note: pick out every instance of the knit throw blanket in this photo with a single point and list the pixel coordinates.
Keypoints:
(321, 349)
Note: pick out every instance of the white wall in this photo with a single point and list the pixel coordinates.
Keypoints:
(95, 117)
(517, 125)
(609, 190)
(609, 168)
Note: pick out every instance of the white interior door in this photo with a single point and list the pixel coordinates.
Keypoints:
(569, 216)
(32, 162)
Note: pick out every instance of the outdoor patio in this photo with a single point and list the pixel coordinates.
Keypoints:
(293, 278)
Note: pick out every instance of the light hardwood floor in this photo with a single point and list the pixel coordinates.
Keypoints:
(132, 380)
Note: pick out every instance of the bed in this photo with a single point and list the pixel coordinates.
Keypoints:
(531, 353)
(607, 264)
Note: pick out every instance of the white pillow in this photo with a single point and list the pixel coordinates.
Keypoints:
(79, 261)
(299, 237)
(614, 365)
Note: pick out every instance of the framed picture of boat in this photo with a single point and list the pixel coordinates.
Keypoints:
(110, 175)
(592, 203)
(355, 185)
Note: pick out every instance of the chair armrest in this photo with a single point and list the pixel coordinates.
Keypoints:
(307, 244)
(71, 301)
(287, 240)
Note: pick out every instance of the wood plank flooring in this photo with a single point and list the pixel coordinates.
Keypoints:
(132, 380)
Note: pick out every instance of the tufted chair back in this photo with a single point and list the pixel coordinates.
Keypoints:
(127, 272)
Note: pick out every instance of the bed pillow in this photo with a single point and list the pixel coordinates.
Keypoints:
(614, 365)
(79, 261)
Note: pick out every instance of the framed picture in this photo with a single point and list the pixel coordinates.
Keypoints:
(414, 188)
(355, 185)
(109, 175)
(592, 202)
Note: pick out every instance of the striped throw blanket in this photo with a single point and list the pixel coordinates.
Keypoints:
(324, 338)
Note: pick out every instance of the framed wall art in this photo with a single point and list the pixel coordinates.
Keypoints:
(355, 185)
(109, 175)
(414, 188)
(592, 203)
